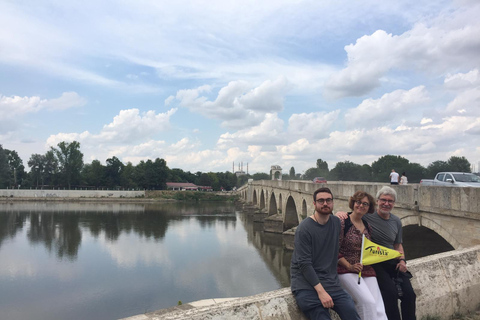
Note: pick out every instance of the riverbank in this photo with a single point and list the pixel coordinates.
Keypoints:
(113, 195)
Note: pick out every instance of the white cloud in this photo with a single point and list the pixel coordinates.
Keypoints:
(432, 47)
(238, 105)
(312, 125)
(462, 80)
(269, 132)
(389, 109)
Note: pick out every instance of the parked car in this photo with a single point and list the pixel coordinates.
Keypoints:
(453, 179)
(319, 180)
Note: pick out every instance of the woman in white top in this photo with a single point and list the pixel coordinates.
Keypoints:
(403, 179)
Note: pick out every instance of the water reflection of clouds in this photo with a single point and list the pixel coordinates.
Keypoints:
(18, 259)
(129, 250)
(234, 268)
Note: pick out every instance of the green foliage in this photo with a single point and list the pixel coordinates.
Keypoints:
(70, 160)
(460, 164)
(4, 169)
(261, 176)
(63, 166)
(435, 167)
(382, 168)
(312, 173)
(349, 171)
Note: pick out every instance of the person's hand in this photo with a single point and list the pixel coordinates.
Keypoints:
(357, 267)
(342, 215)
(402, 266)
(325, 299)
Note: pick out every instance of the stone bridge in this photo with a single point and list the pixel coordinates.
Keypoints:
(453, 213)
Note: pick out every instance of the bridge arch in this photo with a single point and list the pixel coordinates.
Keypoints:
(290, 219)
(272, 207)
(280, 202)
(254, 199)
(262, 200)
(414, 220)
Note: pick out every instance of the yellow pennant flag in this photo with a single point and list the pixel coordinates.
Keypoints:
(373, 253)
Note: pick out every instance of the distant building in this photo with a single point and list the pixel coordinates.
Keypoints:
(240, 171)
(181, 186)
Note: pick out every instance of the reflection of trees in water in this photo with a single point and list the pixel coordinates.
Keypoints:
(61, 230)
(10, 224)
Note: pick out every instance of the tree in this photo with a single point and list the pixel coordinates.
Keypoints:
(382, 168)
(311, 173)
(415, 172)
(128, 176)
(93, 174)
(4, 169)
(435, 167)
(349, 171)
(113, 172)
(292, 173)
(50, 169)
(459, 164)
(322, 167)
(261, 176)
(70, 159)
(17, 169)
(37, 167)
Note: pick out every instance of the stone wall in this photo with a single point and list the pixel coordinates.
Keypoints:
(23, 193)
(452, 212)
(446, 284)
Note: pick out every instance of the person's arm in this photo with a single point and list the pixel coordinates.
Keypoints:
(356, 268)
(324, 297)
(304, 255)
(402, 264)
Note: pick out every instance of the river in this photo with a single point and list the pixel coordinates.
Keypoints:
(114, 260)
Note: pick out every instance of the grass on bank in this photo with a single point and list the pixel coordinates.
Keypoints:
(190, 195)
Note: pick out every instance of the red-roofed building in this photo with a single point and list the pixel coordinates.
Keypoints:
(181, 186)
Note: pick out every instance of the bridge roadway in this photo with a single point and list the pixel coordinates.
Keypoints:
(453, 213)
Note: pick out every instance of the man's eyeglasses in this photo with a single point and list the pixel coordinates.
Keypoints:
(360, 203)
(387, 201)
(327, 201)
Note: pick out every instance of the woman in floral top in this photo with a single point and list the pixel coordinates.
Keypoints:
(366, 294)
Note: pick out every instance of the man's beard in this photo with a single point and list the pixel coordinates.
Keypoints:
(325, 211)
(383, 211)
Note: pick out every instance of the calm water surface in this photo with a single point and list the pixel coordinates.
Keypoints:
(109, 261)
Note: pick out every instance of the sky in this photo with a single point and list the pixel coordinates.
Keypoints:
(207, 85)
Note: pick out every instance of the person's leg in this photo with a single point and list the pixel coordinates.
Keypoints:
(408, 304)
(311, 305)
(372, 285)
(364, 301)
(344, 306)
(388, 290)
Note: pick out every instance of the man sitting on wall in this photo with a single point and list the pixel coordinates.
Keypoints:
(314, 278)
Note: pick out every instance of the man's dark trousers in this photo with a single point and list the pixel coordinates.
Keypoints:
(385, 272)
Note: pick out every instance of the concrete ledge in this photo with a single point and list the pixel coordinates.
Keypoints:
(53, 194)
(446, 284)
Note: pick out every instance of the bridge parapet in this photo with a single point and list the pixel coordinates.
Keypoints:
(452, 212)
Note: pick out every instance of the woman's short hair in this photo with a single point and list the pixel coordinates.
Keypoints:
(358, 196)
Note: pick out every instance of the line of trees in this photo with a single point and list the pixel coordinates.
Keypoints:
(63, 167)
(380, 170)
